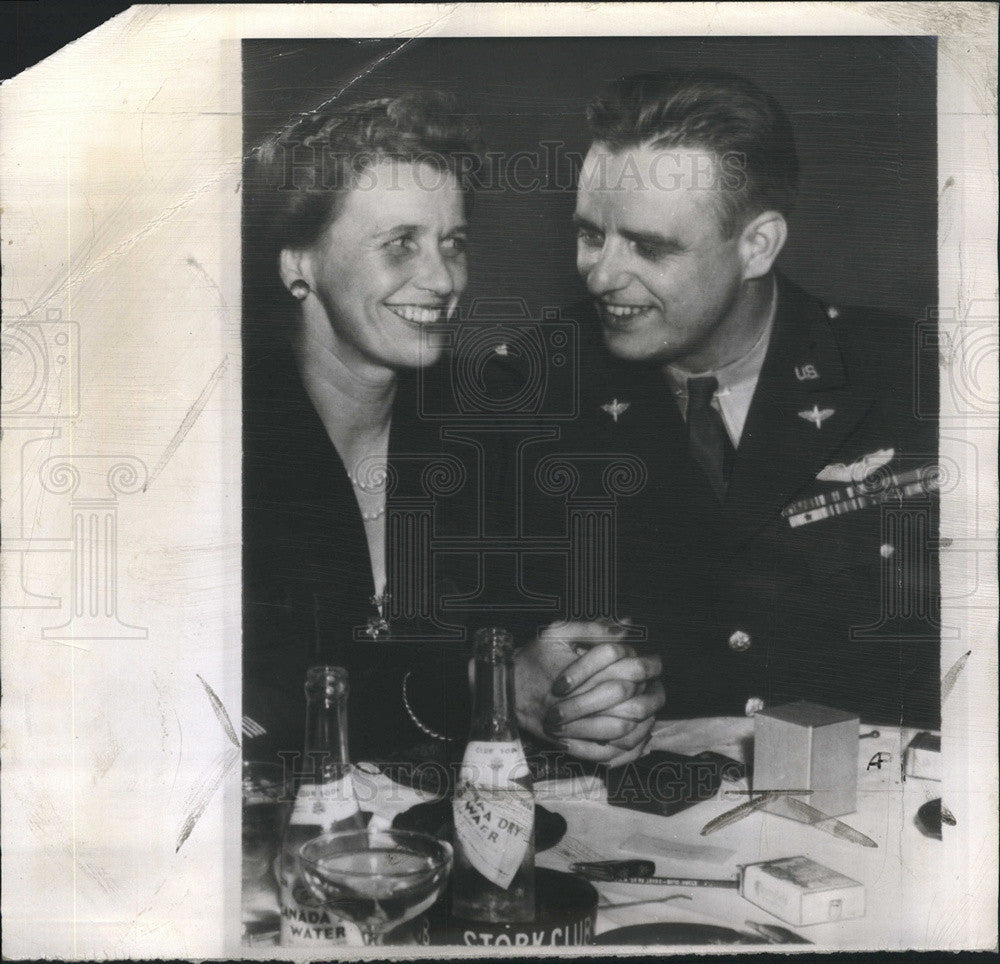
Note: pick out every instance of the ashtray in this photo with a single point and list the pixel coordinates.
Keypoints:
(565, 916)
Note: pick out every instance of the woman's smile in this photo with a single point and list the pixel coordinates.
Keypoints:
(419, 315)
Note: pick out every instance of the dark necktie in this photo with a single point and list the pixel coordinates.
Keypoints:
(707, 435)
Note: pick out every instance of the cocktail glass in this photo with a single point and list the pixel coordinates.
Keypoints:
(376, 879)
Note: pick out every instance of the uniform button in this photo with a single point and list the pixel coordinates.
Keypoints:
(754, 705)
(739, 641)
(832, 312)
(886, 550)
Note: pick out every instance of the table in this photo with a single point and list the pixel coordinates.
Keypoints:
(901, 876)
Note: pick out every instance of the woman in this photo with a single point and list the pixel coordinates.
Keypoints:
(367, 206)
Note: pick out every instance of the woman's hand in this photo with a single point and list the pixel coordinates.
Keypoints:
(580, 685)
(540, 664)
(616, 736)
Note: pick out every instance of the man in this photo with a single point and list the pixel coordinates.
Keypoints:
(782, 545)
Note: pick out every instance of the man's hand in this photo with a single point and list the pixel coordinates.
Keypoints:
(580, 685)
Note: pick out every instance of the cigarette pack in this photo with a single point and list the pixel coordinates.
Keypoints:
(800, 891)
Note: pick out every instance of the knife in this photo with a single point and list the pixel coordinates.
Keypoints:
(738, 813)
(804, 813)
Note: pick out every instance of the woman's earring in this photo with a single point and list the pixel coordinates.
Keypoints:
(299, 289)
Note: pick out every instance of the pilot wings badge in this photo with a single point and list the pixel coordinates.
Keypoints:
(856, 471)
(615, 408)
(817, 415)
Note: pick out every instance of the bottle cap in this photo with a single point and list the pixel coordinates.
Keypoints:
(493, 644)
(328, 681)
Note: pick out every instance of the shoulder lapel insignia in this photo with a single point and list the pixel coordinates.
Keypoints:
(817, 415)
(614, 408)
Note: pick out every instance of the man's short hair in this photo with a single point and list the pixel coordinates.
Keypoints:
(745, 129)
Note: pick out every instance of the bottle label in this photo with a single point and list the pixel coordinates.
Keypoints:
(324, 804)
(307, 922)
(494, 809)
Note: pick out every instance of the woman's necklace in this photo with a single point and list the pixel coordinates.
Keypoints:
(349, 412)
(372, 487)
(373, 516)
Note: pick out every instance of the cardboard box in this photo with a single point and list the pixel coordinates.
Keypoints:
(923, 757)
(805, 746)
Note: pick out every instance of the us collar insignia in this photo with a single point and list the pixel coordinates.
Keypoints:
(615, 408)
(856, 471)
(817, 415)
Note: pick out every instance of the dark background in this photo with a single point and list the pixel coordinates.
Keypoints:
(863, 109)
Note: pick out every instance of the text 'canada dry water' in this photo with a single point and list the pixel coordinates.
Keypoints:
(494, 873)
(325, 803)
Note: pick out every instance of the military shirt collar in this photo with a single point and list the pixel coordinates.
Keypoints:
(737, 379)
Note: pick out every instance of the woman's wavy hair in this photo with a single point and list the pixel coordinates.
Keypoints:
(304, 172)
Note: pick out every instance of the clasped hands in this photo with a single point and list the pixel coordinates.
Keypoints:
(580, 686)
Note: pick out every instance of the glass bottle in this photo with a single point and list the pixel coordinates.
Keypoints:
(325, 802)
(493, 879)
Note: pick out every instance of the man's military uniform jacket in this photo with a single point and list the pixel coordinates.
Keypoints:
(817, 576)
